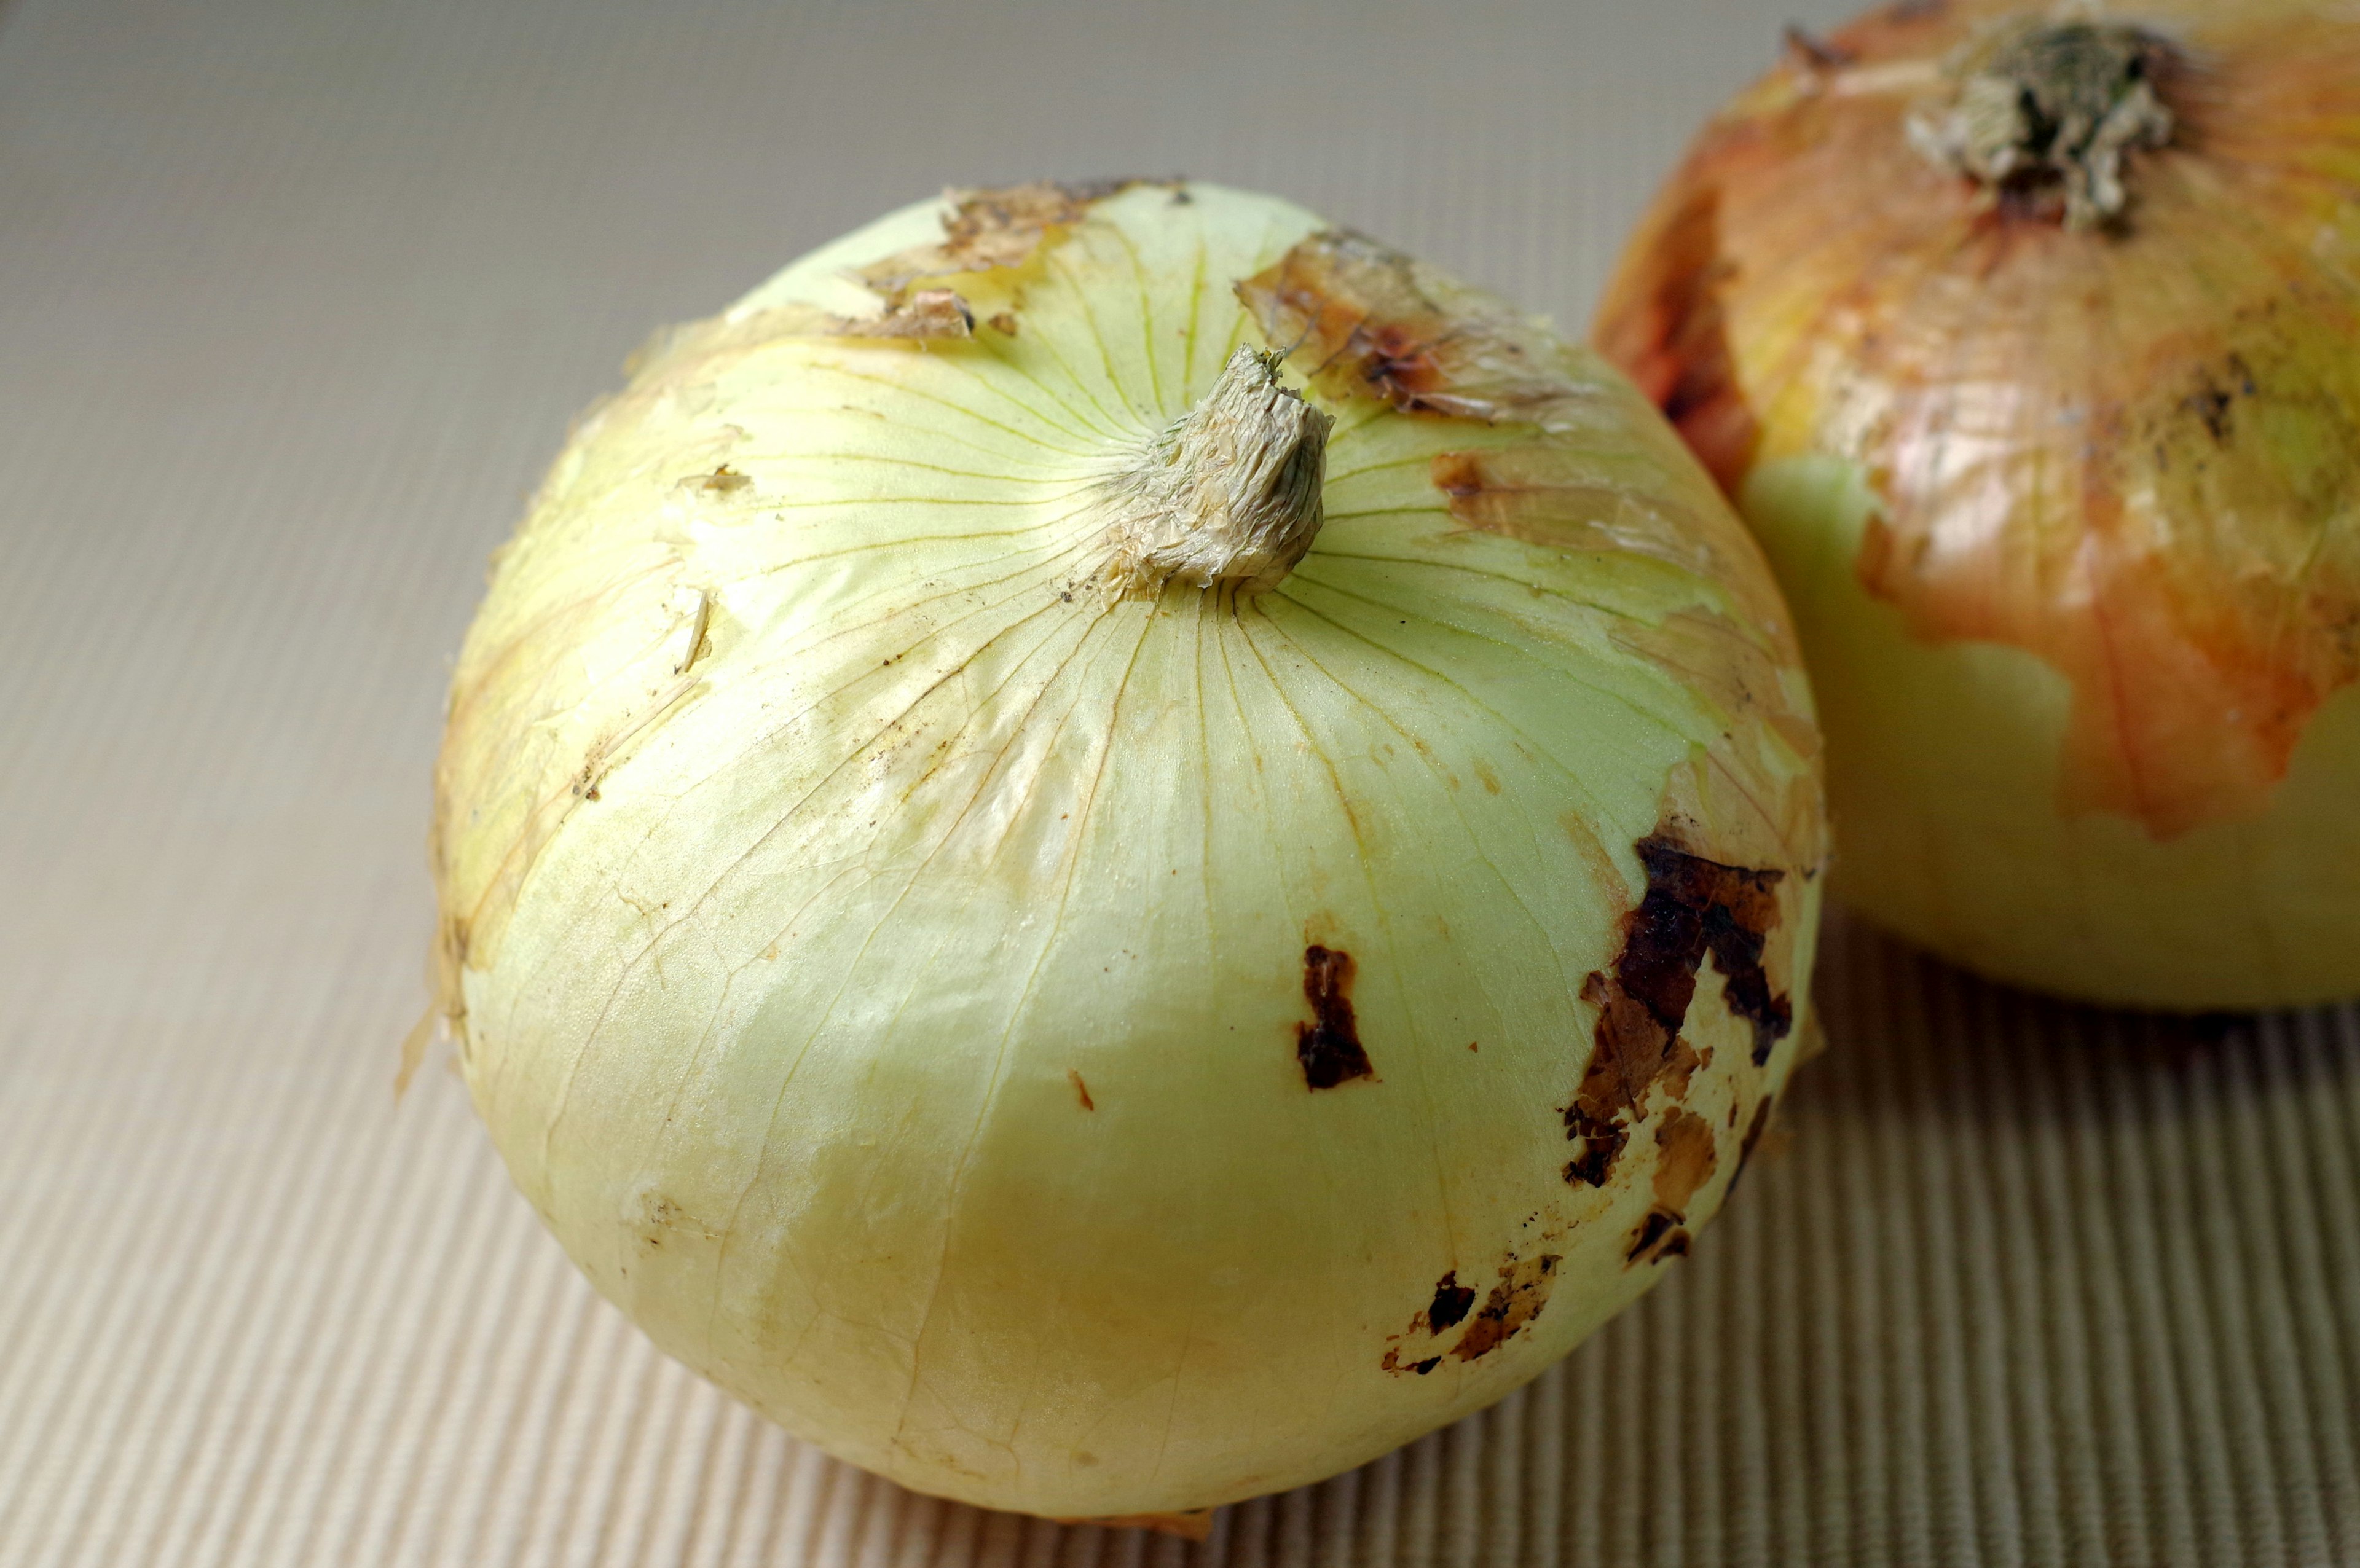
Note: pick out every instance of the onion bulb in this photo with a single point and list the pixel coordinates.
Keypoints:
(1109, 850)
(2028, 341)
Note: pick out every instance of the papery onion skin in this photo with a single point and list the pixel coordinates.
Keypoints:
(1101, 1050)
(2070, 517)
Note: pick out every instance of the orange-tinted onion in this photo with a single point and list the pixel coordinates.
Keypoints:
(2068, 512)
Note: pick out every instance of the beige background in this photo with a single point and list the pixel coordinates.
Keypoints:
(296, 296)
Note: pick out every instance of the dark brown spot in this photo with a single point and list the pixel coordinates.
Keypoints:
(1514, 1302)
(1451, 1301)
(1653, 1229)
(1427, 1365)
(1329, 1046)
(1601, 1141)
(1693, 907)
(1658, 1236)
(1074, 1076)
(2211, 405)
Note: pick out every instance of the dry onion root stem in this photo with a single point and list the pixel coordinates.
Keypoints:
(2041, 102)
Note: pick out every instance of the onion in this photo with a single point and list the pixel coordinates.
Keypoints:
(2029, 343)
(1091, 927)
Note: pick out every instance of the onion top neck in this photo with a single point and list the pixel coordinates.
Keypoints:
(1226, 496)
(2052, 103)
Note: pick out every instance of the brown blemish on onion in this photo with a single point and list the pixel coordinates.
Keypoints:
(2215, 401)
(986, 231)
(1450, 1303)
(1703, 907)
(1328, 1046)
(1553, 497)
(1693, 909)
(1601, 1144)
(929, 313)
(1650, 1230)
(1081, 1090)
(662, 1218)
(1686, 1153)
(1515, 1301)
(1363, 321)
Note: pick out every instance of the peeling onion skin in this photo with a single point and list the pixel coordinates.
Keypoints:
(1107, 1051)
(2069, 514)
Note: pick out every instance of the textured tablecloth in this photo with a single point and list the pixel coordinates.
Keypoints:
(296, 299)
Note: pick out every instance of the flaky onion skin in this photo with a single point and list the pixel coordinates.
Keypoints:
(2065, 493)
(1110, 850)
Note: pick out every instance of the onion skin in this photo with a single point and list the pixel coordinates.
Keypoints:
(2067, 515)
(1081, 1041)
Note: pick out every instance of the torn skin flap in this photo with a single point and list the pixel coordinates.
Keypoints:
(984, 231)
(1359, 316)
(988, 229)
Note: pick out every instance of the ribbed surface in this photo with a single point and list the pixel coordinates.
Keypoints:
(295, 300)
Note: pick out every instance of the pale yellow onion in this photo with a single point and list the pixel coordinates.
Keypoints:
(914, 961)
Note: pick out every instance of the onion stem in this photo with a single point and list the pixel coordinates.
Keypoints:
(2052, 103)
(1228, 495)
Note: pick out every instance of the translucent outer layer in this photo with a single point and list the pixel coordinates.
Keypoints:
(2072, 518)
(1097, 1053)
